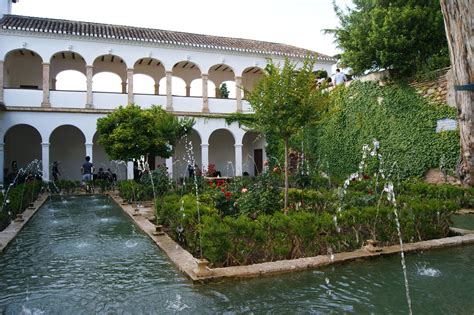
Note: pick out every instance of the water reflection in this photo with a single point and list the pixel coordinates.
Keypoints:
(83, 264)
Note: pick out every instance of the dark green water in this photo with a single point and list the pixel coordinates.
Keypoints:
(463, 221)
(84, 256)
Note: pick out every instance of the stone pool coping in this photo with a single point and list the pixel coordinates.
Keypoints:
(187, 264)
(11, 231)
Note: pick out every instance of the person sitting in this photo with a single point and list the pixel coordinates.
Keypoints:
(101, 174)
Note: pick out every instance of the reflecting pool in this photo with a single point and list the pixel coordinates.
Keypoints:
(83, 255)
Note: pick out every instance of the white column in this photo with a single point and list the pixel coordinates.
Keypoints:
(45, 160)
(169, 166)
(204, 156)
(238, 159)
(169, 96)
(2, 100)
(130, 85)
(130, 170)
(205, 98)
(46, 102)
(89, 97)
(2, 162)
(188, 90)
(238, 93)
(89, 152)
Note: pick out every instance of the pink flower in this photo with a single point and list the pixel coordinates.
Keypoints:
(244, 190)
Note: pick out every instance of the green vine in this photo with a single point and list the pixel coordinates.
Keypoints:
(401, 120)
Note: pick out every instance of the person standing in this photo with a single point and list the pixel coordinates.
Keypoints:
(55, 171)
(87, 169)
(339, 77)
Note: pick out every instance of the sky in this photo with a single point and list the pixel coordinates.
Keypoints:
(293, 22)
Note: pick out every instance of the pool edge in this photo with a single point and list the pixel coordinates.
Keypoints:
(188, 264)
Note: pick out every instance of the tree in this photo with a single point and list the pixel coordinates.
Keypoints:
(131, 132)
(321, 74)
(224, 92)
(402, 35)
(459, 31)
(284, 101)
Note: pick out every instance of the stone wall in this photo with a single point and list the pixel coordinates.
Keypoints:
(439, 89)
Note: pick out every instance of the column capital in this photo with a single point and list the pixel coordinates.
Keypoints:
(204, 145)
(169, 72)
(238, 77)
(89, 67)
(238, 145)
(204, 75)
(89, 143)
(46, 64)
(129, 69)
(45, 144)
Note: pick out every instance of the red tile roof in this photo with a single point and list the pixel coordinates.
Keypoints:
(147, 35)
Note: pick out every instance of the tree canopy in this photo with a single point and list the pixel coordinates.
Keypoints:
(402, 35)
(131, 132)
(285, 100)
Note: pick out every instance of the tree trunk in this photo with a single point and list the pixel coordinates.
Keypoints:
(459, 24)
(286, 175)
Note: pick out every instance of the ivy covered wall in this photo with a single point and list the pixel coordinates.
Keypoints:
(401, 120)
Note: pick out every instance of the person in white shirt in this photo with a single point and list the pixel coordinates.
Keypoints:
(339, 77)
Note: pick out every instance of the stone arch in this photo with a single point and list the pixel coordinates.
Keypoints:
(220, 73)
(66, 60)
(67, 147)
(111, 63)
(187, 149)
(23, 145)
(253, 153)
(187, 70)
(250, 77)
(222, 151)
(151, 67)
(23, 69)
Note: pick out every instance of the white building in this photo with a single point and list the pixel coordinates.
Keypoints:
(40, 121)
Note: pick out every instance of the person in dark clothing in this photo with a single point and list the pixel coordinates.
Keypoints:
(111, 177)
(190, 171)
(87, 169)
(101, 174)
(55, 171)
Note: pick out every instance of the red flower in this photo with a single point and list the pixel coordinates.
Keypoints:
(366, 176)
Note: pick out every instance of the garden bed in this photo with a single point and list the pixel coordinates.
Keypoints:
(188, 264)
